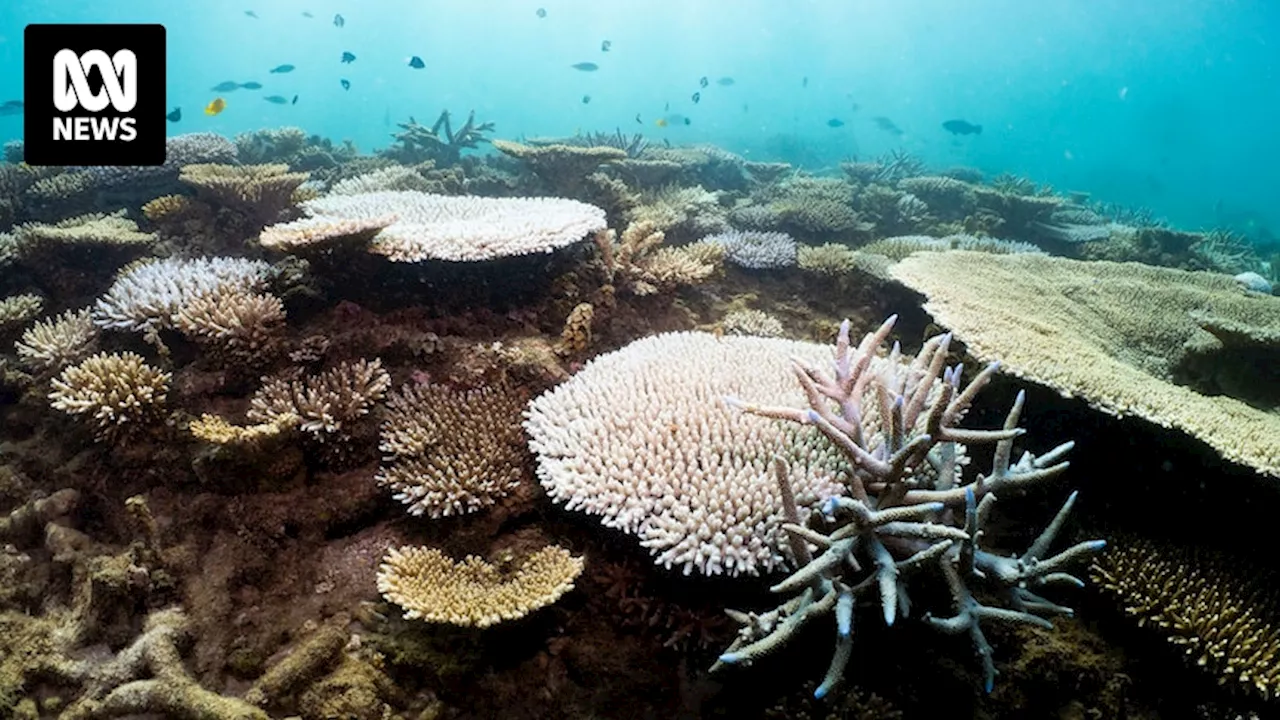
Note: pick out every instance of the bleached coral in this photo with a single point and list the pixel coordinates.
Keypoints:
(640, 264)
(452, 452)
(473, 593)
(148, 296)
(396, 177)
(118, 391)
(324, 403)
(752, 322)
(55, 343)
(757, 250)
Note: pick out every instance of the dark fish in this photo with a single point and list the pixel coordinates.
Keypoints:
(251, 85)
(251, 13)
(348, 57)
(638, 120)
(960, 127)
(227, 86)
(666, 108)
(306, 14)
(11, 107)
(703, 82)
(886, 125)
(346, 84)
(174, 116)
(338, 21)
(295, 100)
(542, 12)
(585, 66)
(586, 99)
(805, 82)
(279, 69)
(725, 81)
(277, 99)
(696, 97)
(835, 123)
(604, 46)
(416, 63)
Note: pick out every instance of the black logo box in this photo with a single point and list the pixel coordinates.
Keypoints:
(41, 43)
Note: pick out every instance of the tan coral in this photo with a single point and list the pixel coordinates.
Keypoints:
(261, 192)
(575, 338)
(324, 234)
(452, 452)
(1113, 334)
(217, 431)
(563, 168)
(167, 208)
(18, 310)
(325, 403)
(752, 322)
(56, 343)
(236, 326)
(639, 264)
(830, 259)
(119, 391)
(115, 234)
(472, 593)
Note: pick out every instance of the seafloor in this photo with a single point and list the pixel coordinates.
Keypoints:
(199, 481)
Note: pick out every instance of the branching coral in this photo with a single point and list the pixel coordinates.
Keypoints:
(259, 192)
(752, 322)
(148, 296)
(118, 391)
(396, 177)
(681, 212)
(757, 250)
(473, 593)
(639, 264)
(562, 168)
(907, 507)
(217, 431)
(575, 338)
(452, 452)
(111, 238)
(18, 310)
(237, 327)
(830, 259)
(54, 344)
(418, 143)
(326, 403)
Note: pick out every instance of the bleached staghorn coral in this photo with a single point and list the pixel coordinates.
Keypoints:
(752, 322)
(18, 310)
(907, 505)
(148, 296)
(56, 343)
(473, 593)
(639, 264)
(641, 438)
(119, 391)
(324, 403)
(757, 250)
(260, 192)
(321, 234)
(463, 229)
(452, 452)
(237, 326)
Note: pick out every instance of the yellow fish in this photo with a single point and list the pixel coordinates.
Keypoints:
(660, 122)
(215, 107)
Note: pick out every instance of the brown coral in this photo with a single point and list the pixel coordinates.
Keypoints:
(325, 403)
(260, 192)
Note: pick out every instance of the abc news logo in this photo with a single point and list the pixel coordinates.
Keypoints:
(95, 95)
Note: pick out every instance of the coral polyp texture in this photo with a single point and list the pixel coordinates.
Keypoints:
(452, 452)
(642, 438)
(148, 296)
(462, 229)
(1165, 345)
(326, 403)
(907, 505)
(118, 392)
(430, 586)
(56, 343)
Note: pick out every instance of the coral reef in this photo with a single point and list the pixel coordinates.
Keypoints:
(235, 327)
(54, 344)
(756, 250)
(752, 322)
(562, 168)
(118, 392)
(325, 404)
(148, 296)
(639, 264)
(18, 310)
(258, 192)
(830, 259)
(418, 143)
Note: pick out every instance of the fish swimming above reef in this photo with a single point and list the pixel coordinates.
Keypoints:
(215, 107)
(696, 98)
(586, 99)
(604, 46)
(339, 21)
(672, 119)
(174, 116)
(961, 127)
(307, 14)
(346, 84)
(886, 125)
(11, 107)
(725, 81)
(585, 66)
(280, 69)
(416, 63)
(703, 82)
(277, 99)
(541, 13)
(251, 85)
(348, 57)
(295, 100)
(227, 86)
(835, 123)
(251, 14)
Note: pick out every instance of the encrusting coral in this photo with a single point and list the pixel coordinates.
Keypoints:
(473, 593)
(905, 507)
(1225, 618)
(56, 343)
(118, 391)
(452, 452)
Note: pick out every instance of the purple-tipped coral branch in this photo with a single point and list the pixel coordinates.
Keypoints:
(895, 420)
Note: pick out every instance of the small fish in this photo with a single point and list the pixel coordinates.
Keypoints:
(277, 99)
(542, 12)
(174, 116)
(307, 14)
(339, 21)
(696, 97)
(280, 69)
(805, 82)
(11, 107)
(703, 82)
(604, 46)
(886, 125)
(251, 14)
(227, 86)
(660, 122)
(725, 81)
(673, 119)
(638, 120)
(585, 66)
(348, 57)
(295, 100)
(416, 63)
(215, 107)
(346, 84)
(586, 99)
(666, 108)
(835, 123)
(251, 85)
(960, 127)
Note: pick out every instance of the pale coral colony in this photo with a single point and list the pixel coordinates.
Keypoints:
(412, 373)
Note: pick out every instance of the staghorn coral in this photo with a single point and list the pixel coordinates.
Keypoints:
(757, 250)
(907, 506)
(418, 143)
(1223, 616)
(148, 296)
(641, 438)
(829, 259)
(463, 229)
(54, 344)
(756, 323)
(639, 264)
(236, 327)
(258, 192)
(452, 452)
(1118, 336)
(473, 593)
(1227, 251)
(562, 168)
(119, 392)
(18, 310)
(324, 404)
(575, 338)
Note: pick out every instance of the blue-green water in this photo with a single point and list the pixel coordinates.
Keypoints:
(1166, 105)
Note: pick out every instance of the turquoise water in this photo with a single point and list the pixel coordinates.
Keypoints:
(1167, 105)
